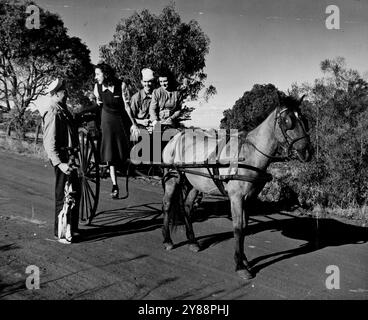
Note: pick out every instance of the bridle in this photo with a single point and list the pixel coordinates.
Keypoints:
(288, 141)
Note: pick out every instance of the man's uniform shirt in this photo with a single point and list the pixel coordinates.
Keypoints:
(59, 132)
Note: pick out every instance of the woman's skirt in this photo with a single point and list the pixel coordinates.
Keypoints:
(114, 141)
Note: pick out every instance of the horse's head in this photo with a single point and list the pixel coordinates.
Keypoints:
(292, 129)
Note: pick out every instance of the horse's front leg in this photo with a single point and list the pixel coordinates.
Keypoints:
(170, 186)
(239, 224)
(188, 206)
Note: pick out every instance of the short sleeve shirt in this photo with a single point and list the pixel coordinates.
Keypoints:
(140, 104)
(163, 100)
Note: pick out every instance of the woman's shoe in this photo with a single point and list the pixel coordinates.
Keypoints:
(115, 192)
(64, 241)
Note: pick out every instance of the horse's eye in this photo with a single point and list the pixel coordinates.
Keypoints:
(289, 123)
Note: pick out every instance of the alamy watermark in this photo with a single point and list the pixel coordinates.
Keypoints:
(204, 147)
(333, 20)
(33, 20)
(333, 280)
(33, 280)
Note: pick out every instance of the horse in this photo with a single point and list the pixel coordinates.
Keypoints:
(284, 127)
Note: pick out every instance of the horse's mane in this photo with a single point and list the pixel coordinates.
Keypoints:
(284, 101)
(289, 102)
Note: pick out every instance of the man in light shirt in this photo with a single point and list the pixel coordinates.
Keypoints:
(140, 102)
(59, 135)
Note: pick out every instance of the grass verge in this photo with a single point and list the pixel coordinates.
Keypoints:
(25, 148)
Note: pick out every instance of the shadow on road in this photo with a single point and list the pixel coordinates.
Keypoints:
(9, 247)
(7, 289)
(317, 233)
(217, 207)
(220, 208)
(122, 221)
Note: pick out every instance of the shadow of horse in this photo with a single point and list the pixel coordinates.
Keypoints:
(219, 207)
(122, 221)
(317, 233)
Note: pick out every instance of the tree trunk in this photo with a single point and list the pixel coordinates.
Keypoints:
(38, 128)
(361, 149)
(9, 129)
(317, 138)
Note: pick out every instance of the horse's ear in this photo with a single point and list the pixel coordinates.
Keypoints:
(301, 99)
(279, 97)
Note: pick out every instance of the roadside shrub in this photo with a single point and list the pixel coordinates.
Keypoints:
(22, 147)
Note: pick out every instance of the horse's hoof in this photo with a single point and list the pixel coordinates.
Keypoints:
(168, 246)
(194, 247)
(244, 274)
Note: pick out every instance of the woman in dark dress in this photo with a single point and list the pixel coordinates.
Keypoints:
(113, 95)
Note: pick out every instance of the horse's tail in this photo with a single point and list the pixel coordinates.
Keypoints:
(172, 148)
(177, 213)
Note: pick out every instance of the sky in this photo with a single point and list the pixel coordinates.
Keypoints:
(251, 41)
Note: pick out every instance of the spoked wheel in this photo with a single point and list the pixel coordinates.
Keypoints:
(89, 176)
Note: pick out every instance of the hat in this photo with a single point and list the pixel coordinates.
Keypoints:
(147, 74)
(55, 86)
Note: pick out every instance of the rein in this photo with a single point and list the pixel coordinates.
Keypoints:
(257, 175)
(275, 158)
(284, 133)
(218, 179)
(288, 141)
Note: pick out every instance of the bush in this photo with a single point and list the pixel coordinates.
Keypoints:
(23, 147)
(252, 108)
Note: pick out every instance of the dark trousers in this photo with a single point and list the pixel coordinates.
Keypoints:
(60, 180)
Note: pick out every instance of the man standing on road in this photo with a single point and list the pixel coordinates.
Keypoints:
(59, 136)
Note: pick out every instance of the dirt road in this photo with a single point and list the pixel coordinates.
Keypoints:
(121, 256)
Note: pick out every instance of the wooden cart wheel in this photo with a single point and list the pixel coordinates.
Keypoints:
(89, 176)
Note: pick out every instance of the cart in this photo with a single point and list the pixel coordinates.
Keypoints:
(90, 170)
(88, 163)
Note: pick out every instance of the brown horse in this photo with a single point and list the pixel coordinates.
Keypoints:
(283, 127)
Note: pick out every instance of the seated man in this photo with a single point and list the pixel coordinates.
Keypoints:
(140, 102)
(166, 101)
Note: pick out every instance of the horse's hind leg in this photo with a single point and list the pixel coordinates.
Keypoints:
(170, 188)
(188, 206)
(239, 222)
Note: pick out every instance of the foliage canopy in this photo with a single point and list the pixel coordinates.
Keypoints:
(252, 108)
(31, 57)
(159, 42)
